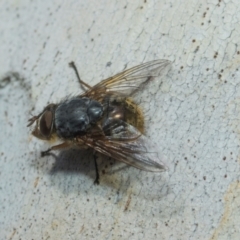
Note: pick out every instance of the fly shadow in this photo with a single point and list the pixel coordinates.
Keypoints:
(74, 170)
(81, 162)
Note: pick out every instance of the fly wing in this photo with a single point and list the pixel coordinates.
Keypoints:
(129, 81)
(128, 145)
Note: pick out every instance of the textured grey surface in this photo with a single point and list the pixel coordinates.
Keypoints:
(196, 120)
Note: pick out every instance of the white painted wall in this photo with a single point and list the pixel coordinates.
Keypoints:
(196, 119)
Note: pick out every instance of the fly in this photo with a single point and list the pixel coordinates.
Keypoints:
(104, 118)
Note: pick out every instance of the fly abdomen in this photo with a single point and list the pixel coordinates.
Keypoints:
(75, 116)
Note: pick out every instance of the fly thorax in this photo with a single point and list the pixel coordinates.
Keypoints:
(75, 116)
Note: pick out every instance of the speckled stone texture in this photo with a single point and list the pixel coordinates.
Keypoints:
(194, 116)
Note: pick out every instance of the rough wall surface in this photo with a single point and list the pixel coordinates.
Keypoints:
(196, 116)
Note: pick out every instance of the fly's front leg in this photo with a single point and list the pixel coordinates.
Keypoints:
(72, 64)
(57, 147)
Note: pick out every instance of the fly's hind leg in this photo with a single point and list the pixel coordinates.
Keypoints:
(57, 147)
(96, 181)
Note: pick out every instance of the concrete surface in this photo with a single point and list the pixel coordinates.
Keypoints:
(196, 119)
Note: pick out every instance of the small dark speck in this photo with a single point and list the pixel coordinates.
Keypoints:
(92, 39)
(197, 48)
(207, 69)
(224, 158)
(125, 7)
(181, 67)
(225, 175)
(219, 76)
(57, 54)
(185, 158)
(88, 200)
(238, 52)
(108, 64)
(193, 40)
(145, 1)
(141, 7)
(103, 171)
(225, 81)
(222, 71)
(207, 9)
(204, 14)
(166, 224)
(209, 21)
(204, 177)
(202, 24)
(5, 81)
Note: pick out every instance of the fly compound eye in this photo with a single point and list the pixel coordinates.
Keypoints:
(46, 123)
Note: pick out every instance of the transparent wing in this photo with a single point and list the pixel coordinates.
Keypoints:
(129, 81)
(128, 145)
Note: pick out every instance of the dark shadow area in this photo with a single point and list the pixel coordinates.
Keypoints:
(81, 162)
(73, 170)
(72, 161)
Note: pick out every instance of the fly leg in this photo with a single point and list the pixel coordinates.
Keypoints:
(57, 147)
(72, 64)
(96, 181)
